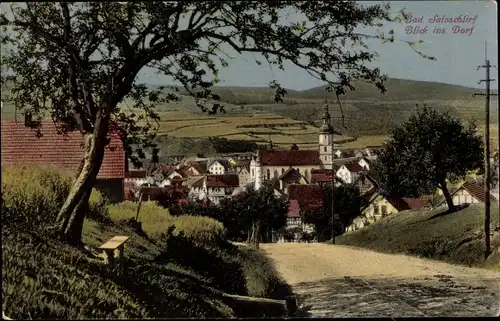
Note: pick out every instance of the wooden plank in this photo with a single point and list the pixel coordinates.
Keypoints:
(114, 243)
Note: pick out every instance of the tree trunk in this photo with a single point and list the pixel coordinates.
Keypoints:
(69, 221)
(257, 234)
(447, 196)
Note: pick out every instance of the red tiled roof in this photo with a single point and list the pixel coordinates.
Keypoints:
(354, 167)
(163, 169)
(308, 196)
(409, 203)
(293, 209)
(289, 157)
(167, 189)
(321, 175)
(476, 189)
(198, 167)
(20, 146)
(228, 180)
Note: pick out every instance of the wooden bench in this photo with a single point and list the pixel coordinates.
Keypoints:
(113, 249)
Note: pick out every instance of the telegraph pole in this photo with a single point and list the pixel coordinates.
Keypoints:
(333, 179)
(487, 178)
(333, 187)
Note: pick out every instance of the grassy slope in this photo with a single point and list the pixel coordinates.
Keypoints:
(43, 278)
(455, 238)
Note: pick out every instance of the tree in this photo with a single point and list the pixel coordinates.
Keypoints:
(425, 152)
(347, 204)
(79, 62)
(257, 214)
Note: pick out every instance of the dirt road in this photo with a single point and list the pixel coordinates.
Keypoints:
(340, 281)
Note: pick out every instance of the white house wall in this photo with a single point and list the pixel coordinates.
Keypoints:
(364, 164)
(217, 169)
(347, 176)
(463, 197)
(244, 178)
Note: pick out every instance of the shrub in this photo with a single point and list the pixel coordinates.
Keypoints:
(33, 195)
(200, 230)
(220, 265)
(262, 278)
(98, 208)
(155, 219)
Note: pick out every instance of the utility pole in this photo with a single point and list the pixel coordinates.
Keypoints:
(333, 187)
(487, 178)
(333, 168)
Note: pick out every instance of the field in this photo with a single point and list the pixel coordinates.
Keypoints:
(253, 116)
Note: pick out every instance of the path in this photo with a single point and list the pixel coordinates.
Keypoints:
(341, 281)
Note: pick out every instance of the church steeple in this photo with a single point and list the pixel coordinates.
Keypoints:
(326, 138)
(326, 127)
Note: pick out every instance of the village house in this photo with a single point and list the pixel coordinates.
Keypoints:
(218, 187)
(302, 198)
(136, 177)
(293, 219)
(379, 206)
(364, 183)
(22, 146)
(350, 172)
(470, 191)
(289, 177)
(149, 194)
(196, 187)
(218, 166)
(364, 163)
(347, 153)
(242, 168)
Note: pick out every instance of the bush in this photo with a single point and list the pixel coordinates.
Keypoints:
(98, 208)
(155, 219)
(200, 230)
(32, 196)
(262, 278)
(219, 265)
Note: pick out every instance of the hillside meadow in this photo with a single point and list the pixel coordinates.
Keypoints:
(455, 238)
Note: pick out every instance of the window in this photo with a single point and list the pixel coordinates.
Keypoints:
(282, 171)
(268, 174)
(325, 149)
(375, 209)
(384, 209)
(253, 171)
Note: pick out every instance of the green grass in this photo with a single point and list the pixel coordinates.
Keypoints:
(455, 238)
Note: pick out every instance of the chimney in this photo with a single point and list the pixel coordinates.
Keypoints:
(28, 119)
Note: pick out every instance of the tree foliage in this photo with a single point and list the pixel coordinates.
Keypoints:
(79, 62)
(426, 152)
(241, 214)
(346, 207)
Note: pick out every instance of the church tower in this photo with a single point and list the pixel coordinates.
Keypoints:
(325, 139)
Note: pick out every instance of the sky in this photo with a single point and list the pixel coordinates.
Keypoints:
(457, 55)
